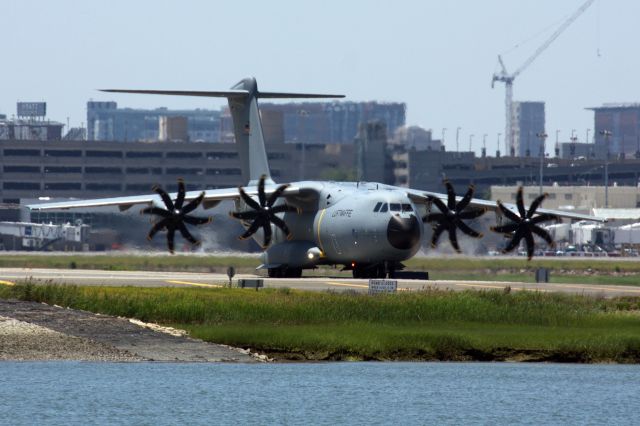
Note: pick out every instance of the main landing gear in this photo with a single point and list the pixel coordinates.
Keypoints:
(284, 272)
(380, 270)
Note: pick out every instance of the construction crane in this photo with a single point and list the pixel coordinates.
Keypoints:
(505, 77)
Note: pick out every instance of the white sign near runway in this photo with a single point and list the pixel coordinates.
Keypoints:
(377, 286)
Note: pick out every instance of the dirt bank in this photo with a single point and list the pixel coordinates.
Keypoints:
(35, 331)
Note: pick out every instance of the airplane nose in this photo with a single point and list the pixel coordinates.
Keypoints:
(403, 233)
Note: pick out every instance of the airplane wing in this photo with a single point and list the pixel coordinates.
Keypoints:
(426, 197)
(211, 198)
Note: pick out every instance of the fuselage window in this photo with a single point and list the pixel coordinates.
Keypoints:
(377, 207)
(395, 207)
(407, 208)
(384, 208)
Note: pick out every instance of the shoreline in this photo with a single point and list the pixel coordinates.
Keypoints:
(31, 331)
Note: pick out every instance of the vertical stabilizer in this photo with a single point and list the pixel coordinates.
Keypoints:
(248, 132)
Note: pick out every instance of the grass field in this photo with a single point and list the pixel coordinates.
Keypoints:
(288, 324)
(563, 270)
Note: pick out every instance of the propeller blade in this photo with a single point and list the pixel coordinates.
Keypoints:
(434, 217)
(157, 227)
(453, 238)
(437, 231)
(440, 204)
(248, 215)
(171, 231)
(520, 203)
(156, 211)
(545, 217)
(193, 204)
(542, 233)
(266, 229)
(186, 234)
(505, 229)
(280, 224)
(250, 201)
(193, 220)
(468, 230)
(508, 213)
(180, 197)
(536, 203)
(466, 199)
(276, 194)
(251, 230)
(472, 213)
(261, 196)
(515, 240)
(528, 238)
(451, 195)
(165, 198)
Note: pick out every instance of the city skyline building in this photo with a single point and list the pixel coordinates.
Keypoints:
(529, 121)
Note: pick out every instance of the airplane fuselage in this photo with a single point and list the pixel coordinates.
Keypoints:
(348, 223)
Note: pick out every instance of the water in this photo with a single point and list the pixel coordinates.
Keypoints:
(325, 393)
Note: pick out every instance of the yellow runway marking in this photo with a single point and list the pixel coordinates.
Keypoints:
(590, 287)
(194, 284)
(481, 285)
(501, 287)
(7, 283)
(347, 285)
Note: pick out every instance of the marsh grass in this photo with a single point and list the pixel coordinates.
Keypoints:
(292, 324)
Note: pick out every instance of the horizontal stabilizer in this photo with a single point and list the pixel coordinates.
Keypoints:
(224, 94)
(283, 95)
(221, 94)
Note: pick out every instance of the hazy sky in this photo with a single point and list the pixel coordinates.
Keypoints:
(437, 56)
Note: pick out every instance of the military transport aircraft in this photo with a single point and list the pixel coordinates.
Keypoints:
(369, 228)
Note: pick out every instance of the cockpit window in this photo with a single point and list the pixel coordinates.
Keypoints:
(384, 208)
(377, 207)
(395, 207)
(407, 208)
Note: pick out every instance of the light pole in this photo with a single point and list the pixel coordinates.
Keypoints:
(484, 145)
(542, 137)
(498, 149)
(457, 137)
(607, 135)
(470, 141)
(574, 139)
(303, 115)
(444, 129)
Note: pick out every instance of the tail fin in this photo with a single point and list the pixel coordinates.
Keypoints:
(243, 103)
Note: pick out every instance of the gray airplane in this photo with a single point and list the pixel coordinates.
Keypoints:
(369, 228)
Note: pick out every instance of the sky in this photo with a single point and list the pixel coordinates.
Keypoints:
(436, 56)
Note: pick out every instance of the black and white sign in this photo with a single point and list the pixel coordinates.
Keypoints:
(32, 109)
(377, 286)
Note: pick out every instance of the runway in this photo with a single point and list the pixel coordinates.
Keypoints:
(9, 276)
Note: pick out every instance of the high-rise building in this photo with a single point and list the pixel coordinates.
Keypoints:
(622, 120)
(529, 121)
(371, 153)
(107, 122)
(321, 122)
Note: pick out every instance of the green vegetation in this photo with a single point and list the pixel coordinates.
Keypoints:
(288, 324)
(130, 262)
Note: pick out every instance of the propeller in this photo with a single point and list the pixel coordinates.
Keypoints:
(175, 215)
(262, 213)
(452, 216)
(525, 224)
